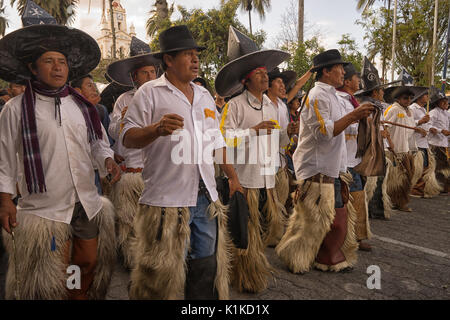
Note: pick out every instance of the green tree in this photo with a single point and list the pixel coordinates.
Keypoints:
(62, 10)
(259, 5)
(302, 54)
(414, 36)
(3, 20)
(349, 51)
(210, 29)
(159, 17)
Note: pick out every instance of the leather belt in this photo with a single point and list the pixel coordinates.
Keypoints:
(325, 179)
(133, 170)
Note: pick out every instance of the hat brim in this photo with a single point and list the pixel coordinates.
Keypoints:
(160, 54)
(111, 93)
(383, 85)
(18, 48)
(421, 91)
(228, 79)
(391, 93)
(328, 64)
(120, 71)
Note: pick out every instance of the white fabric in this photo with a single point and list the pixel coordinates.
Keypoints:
(133, 157)
(283, 121)
(420, 112)
(402, 138)
(318, 151)
(168, 183)
(439, 120)
(237, 119)
(68, 159)
(351, 132)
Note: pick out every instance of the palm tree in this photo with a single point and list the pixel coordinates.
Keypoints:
(3, 20)
(301, 19)
(160, 13)
(62, 10)
(259, 5)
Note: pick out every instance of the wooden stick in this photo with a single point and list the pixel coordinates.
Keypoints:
(398, 125)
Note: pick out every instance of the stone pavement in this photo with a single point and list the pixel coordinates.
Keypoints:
(412, 251)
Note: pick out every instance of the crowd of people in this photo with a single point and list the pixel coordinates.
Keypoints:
(83, 184)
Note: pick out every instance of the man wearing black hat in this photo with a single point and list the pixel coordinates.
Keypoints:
(139, 68)
(174, 121)
(427, 186)
(320, 163)
(438, 137)
(400, 179)
(60, 218)
(250, 125)
(358, 199)
(278, 81)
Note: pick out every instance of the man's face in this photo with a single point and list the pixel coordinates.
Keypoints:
(294, 105)
(258, 81)
(277, 88)
(336, 75)
(422, 101)
(353, 83)
(144, 74)
(185, 65)
(51, 69)
(15, 89)
(89, 91)
(404, 100)
(443, 104)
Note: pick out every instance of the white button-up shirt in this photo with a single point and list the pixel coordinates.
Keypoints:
(283, 121)
(318, 151)
(351, 132)
(254, 162)
(68, 159)
(174, 164)
(133, 157)
(439, 120)
(418, 113)
(402, 138)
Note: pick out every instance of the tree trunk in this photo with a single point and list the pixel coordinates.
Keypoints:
(301, 19)
(250, 21)
(113, 30)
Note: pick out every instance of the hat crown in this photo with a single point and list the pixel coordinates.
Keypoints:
(327, 56)
(369, 76)
(34, 14)
(239, 44)
(349, 70)
(175, 38)
(138, 47)
(405, 78)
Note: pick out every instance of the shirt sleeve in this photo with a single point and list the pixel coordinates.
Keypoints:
(317, 118)
(139, 113)
(115, 119)
(100, 152)
(9, 144)
(229, 126)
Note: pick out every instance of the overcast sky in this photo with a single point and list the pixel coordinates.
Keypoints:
(331, 17)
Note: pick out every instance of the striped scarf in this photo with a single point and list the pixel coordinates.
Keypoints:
(34, 172)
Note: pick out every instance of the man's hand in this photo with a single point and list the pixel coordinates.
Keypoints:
(433, 131)
(265, 125)
(421, 131)
(8, 213)
(113, 169)
(235, 186)
(363, 111)
(446, 133)
(425, 119)
(169, 123)
(385, 134)
(293, 127)
(118, 158)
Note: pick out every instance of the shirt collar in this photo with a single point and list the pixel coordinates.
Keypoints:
(326, 86)
(254, 101)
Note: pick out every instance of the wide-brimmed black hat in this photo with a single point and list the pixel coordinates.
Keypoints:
(421, 91)
(326, 59)
(176, 38)
(287, 76)
(245, 57)
(140, 56)
(436, 96)
(23, 46)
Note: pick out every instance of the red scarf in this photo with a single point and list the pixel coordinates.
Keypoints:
(353, 100)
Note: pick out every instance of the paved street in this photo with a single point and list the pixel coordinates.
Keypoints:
(412, 251)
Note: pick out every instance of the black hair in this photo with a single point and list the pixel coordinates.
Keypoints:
(320, 71)
(172, 54)
(77, 83)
